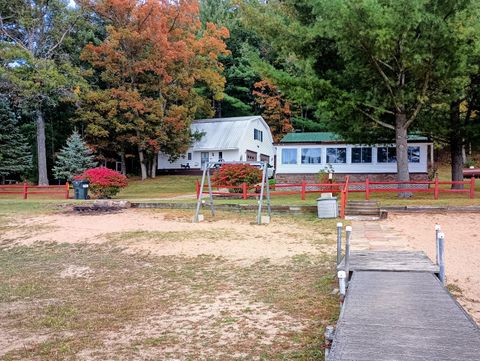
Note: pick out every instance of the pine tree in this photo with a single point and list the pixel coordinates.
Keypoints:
(74, 158)
(15, 154)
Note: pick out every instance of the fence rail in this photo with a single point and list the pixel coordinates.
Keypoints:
(25, 189)
(368, 187)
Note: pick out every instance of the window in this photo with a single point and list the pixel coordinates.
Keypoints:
(189, 156)
(258, 135)
(311, 155)
(362, 155)
(414, 154)
(220, 155)
(289, 156)
(386, 155)
(336, 155)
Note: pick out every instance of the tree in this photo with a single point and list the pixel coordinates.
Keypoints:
(31, 36)
(151, 64)
(275, 109)
(15, 155)
(73, 159)
(376, 64)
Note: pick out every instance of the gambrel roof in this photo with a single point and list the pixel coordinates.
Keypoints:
(223, 133)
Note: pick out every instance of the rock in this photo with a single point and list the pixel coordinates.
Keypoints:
(108, 203)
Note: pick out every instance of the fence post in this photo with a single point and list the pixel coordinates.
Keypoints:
(339, 242)
(367, 189)
(436, 189)
(197, 188)
(472, 187)
(342, 204)
(437, 231)
(441, 257)
(67, 190)
(348, 230)
(244, 190)
(25, 190)
(303, 189)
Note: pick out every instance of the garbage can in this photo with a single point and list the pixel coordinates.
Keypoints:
(327, 207)
(80, 188)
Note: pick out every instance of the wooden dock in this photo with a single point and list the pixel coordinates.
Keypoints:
(397, 309)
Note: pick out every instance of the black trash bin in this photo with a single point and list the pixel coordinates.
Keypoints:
(80, 188)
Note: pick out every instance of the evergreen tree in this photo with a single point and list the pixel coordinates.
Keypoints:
(74, 158)
(15, 155)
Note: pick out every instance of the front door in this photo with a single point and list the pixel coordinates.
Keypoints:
(204, 158)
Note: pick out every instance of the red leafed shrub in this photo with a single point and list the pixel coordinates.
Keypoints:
(236, 174)
(104, 182)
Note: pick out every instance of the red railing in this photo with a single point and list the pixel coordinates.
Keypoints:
(25, 189)
(368, 187)
(344, 197)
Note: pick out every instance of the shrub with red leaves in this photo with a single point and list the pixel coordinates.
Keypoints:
(236, 174)
(104, 182)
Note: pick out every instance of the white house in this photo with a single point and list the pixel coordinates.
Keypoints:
(227, 139)
(304, 155)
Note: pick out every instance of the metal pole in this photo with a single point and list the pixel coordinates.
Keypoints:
(269, 208)
(210, 189)
(437, 231)
(199, 200)
(339, 242)
(348, 230)
(441, 257)
(259, 216)
(342, 275)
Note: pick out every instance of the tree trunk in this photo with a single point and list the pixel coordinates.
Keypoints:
(143, 166)
(123, 164)
(154, 166)
(401, 142)
(41, 149)
(456, 145)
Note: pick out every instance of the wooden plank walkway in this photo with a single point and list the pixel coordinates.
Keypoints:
(398, 314)
(389, 261)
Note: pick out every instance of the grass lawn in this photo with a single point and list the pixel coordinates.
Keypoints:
(109, 300)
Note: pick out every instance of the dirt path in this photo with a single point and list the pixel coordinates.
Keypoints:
(462, 250)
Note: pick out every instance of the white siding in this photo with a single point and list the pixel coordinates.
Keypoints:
(260, 147)
(348, 167)
(227, 155)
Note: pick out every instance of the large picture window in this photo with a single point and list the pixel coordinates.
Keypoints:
(289, 156)
(414, 154)
(362, 155)
(336, 155)
(386, 155)
(311, 155)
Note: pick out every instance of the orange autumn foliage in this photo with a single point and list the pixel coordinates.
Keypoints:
(153, 57)
(275, 109)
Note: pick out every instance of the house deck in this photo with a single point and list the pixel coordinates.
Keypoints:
(397, 309)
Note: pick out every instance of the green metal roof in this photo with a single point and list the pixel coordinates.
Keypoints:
(326, 137)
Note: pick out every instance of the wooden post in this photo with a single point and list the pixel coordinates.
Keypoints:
(348, 230)
(303, 188)
(437, 231)
(367, 189)
(244, 190)
(67, 190)
(436, 189)
(339, 242)
(197, 188)
(25, 190)
(329, 335)
(342, 285)
(441, 257)
(472, 187)
(342, 204)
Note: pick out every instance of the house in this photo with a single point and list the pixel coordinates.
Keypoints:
(304, 155)
(225, 139)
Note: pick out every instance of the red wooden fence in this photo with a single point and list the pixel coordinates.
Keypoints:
(368, 187)
(25, 189)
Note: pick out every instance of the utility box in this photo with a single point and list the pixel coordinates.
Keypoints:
(80, 188)
(327, 207)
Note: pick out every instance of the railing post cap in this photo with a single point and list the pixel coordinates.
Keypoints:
(437, 227)
(339, 225)
(348, 228)
(341, 274)
(441, 235)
